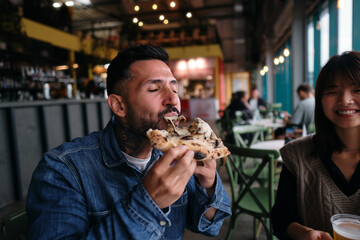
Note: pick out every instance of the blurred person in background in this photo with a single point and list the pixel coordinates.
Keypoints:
(304, 111)
(256, 102)
(239, 103)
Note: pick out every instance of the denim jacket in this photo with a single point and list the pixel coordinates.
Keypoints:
(86, 189)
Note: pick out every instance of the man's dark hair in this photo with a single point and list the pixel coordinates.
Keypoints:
(304, 87)
(118, 70)
(346, 68)
(240, 94)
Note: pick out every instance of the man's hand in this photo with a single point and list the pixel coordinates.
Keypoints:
(206, 172)
(166, 180)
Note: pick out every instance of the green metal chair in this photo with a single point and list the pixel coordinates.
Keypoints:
(15, 226)
(247, 196)
(257, 131)
(275, 106)
(225, 124)
(249, 165)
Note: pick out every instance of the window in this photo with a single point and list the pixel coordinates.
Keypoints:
(345, 10)
(310, 50)
(324, 36)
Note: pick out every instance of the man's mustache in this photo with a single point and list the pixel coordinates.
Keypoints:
(169, 110)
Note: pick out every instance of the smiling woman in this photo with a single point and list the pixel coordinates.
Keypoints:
(321, 172)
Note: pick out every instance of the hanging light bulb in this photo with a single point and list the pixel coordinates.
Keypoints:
(154, 6)
(172, 4)
(188, 14)
(262, 72)
(266, 68)
(276, 61)
(166, 21)
(57, 4)
(135, 20)
(161, 17)
(136, 8)
(281, 59)
(69, 3)
(340, 4)
(286, 52)
(141, 24)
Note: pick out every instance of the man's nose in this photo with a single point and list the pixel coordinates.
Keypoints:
(171, 97)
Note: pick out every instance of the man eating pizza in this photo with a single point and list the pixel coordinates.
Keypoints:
(112, 184)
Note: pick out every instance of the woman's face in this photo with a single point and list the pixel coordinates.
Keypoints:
(341, 104)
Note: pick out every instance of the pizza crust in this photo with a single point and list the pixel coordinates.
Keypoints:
(198, 137)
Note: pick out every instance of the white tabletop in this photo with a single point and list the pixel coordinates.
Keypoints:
(271, 145)
(268, 122)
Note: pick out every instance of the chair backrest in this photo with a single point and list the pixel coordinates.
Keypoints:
(257, 134)
(247, 196)
(224, 123)
(275, 106)
(15, 226)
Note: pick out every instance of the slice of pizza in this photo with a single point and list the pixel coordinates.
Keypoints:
(198, 137)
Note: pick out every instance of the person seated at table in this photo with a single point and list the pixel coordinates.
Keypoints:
(255, 101)
(112, 184)
(239, 103)
(304, 111)
(321, 172)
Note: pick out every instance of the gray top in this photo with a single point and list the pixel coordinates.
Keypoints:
(304, 112)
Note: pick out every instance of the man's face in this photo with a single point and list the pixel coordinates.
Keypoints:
(151, 95)
(255, 93)
(302, 95)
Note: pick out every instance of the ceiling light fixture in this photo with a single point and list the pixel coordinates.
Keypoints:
(136, 8)
(281, 59)
(340, 4)
(286, 52)
(154, 6)
(262, 72)
(266, 68)
(57, 4)
(161, 17)
(276, 61)
(83, 2)
(166, 21)
(188, 14)
(69, 3)
(135, 20)
(172, 4)
(141, 24)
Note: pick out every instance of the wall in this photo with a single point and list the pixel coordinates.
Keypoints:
(30, 128)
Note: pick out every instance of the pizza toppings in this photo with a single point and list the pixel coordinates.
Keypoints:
(198, 137)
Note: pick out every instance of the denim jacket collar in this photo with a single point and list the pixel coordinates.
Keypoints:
(111, 153)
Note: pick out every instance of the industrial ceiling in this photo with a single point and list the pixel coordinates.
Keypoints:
(242, 26)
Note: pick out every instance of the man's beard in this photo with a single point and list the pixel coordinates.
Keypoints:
(140, 125)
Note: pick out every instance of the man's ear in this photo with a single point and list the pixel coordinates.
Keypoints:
(117, 105)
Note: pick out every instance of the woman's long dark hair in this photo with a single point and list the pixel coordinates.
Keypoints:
(346, 68)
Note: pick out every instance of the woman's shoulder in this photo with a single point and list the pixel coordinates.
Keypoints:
(298, 152)
(301, 142)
